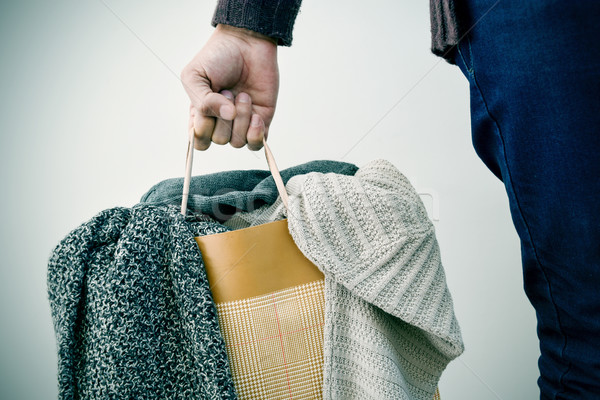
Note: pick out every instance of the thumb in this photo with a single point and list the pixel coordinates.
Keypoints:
(216, 105)
(204, 100)
(205, 106)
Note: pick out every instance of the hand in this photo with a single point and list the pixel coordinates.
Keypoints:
(232, 84)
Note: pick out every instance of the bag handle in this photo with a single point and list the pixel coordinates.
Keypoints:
(188, 173)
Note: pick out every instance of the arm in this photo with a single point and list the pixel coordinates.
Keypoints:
(234, 80)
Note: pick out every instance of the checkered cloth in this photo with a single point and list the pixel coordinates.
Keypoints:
(275, 343)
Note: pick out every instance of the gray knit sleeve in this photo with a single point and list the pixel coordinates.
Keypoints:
(446, 30)
(273, 18)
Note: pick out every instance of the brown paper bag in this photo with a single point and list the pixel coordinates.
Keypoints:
(269, 298)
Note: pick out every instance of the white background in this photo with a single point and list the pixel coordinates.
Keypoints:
(93, 114)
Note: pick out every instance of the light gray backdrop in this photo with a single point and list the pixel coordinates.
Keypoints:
(93, 114)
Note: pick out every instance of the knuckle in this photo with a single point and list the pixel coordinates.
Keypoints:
(206, 108)
(244, 110)
(202, 145)
(187, 73)
(220, 139)
(238, 138)
(203, 133)
(254, 144)
(237, 144)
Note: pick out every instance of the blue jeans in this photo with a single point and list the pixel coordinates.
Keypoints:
(534, 74)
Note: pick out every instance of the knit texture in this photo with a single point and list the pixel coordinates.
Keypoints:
(132, 311)
(390, 328)
(221, 195)
(134, 317)
(273, 18)
(446, 31)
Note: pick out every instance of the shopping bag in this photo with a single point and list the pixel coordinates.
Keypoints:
(270, 303)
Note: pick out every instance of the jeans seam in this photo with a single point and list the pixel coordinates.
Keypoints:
(469, 64)
(471, 71)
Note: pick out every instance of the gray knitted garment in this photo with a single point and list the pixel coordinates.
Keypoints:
(133, 315)
(390, 328)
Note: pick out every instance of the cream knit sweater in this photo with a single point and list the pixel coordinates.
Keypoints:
(390, 328)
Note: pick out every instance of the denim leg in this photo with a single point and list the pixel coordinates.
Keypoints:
(534, 74)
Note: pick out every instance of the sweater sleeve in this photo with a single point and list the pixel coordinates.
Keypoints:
(446, 30)
(273, 18)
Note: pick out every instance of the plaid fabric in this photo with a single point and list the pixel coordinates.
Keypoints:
(275, 343)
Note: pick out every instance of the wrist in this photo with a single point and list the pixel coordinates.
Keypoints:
(244, 33)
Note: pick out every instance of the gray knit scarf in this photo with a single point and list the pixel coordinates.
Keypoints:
(132, 311)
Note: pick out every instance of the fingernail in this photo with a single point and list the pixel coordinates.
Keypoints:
(243, 98)
(255, 121)
(227, 94)
(226, 112)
